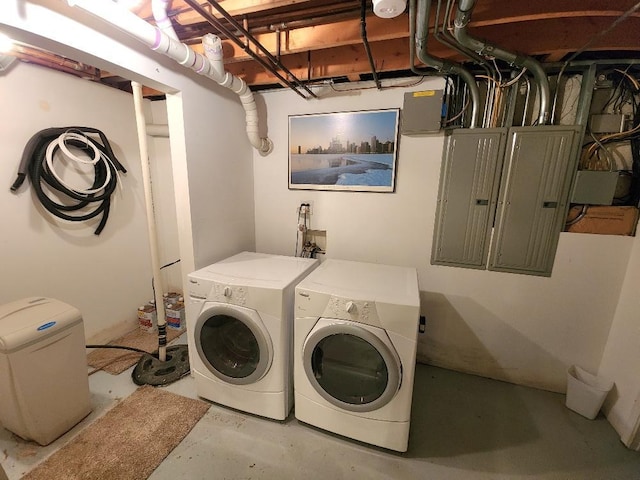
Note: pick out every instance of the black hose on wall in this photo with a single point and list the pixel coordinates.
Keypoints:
(33, 163)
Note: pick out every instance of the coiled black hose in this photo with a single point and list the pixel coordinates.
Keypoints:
(34, 164)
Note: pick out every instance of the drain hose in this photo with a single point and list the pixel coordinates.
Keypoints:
(37, 162)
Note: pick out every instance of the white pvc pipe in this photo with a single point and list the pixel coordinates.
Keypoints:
(151, 223)
(157, 130)
(158, 40)
(159, 10)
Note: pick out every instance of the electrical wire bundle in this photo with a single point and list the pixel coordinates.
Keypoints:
(596, 155)
(38, 162)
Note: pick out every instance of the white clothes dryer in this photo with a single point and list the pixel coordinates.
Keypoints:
(355, 340)
(239, 331)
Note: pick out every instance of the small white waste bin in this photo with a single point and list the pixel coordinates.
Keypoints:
(586, 392)
(44, 383)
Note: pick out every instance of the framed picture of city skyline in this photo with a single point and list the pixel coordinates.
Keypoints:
(352, 151)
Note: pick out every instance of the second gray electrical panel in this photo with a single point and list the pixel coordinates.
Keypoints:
(534, 193)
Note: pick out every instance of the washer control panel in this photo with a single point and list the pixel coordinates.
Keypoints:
(218, 292)
(235, 294)
(347, 309)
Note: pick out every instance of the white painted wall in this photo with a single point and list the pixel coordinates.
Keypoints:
(210, 157)
(518, 328)
(107, 276)
(621, 360)
(164, 204)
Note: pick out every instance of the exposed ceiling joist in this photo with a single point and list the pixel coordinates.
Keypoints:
(321, 39)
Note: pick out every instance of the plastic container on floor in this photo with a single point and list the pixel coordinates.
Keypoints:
(586, 392)
(44, 386)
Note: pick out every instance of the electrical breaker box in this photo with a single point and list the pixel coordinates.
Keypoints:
(422, 112)
(538, 170)
(469, 179)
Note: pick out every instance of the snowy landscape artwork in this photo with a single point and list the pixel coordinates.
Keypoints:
(354, 151)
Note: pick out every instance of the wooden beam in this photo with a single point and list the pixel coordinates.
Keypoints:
(350, 60)
(556, 56)
(321, 36)
(546, 37)
(561, 36)
(499, 12)
(235, 8)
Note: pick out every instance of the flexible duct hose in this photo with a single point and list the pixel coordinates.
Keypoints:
(46, 143)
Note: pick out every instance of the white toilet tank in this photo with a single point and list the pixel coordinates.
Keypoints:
(44, 383)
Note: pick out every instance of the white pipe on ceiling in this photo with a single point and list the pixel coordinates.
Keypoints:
(158, 40)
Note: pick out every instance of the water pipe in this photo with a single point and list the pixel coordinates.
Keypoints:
(158, 40)
(151, 223)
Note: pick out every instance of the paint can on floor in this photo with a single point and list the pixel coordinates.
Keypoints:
(147, 317)
(586, 392)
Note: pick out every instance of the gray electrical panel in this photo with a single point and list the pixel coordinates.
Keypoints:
(538, 171)
(467, 196)
(422, 112)
(595, 187)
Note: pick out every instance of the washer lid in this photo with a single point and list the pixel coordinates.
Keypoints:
(28, 320)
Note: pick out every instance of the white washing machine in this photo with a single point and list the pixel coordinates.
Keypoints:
(239, 330)
(355, 340)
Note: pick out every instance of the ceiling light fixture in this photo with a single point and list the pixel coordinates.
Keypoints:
(389, 8)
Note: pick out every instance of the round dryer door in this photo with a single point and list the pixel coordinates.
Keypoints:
(352, 366)
(233, 343)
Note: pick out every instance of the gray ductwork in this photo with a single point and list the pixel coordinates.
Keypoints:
(419, 30)
(463, 17)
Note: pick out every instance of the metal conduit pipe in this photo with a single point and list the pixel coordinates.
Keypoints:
(365, 41)
(258, 45)
(441, 34)
(213, 21)
(463, 17)
(159, 41)
(421, 22)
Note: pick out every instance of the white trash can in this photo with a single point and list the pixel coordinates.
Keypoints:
(44, 383)
(586, 392)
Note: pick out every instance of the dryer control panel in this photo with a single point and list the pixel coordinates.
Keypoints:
(355, 310)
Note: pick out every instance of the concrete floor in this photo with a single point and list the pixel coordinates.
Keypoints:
(463, 427)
